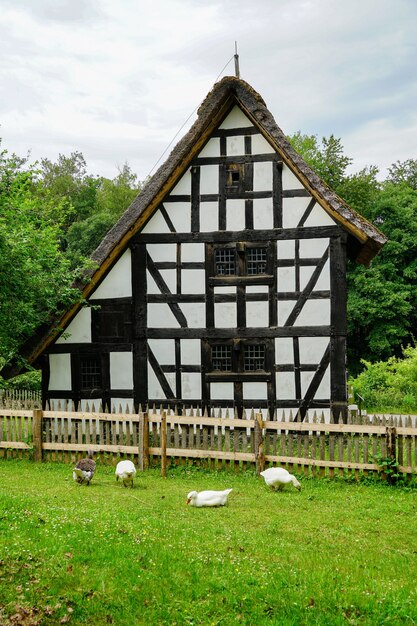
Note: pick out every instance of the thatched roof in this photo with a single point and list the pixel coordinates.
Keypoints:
(364, 242)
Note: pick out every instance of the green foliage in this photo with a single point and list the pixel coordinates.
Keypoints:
(389, 469)
(389, 386)
(404, 172)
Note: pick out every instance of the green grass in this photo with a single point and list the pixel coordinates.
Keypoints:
(337, 553)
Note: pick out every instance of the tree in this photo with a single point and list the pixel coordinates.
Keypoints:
(35, 275)
(404, 172)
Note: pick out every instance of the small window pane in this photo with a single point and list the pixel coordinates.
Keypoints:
(256, 261)
(225, 261)
(254, 358)
(90, 373)
(221, 358)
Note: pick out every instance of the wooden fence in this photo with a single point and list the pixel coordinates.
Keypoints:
(20, 399)
(154, 438)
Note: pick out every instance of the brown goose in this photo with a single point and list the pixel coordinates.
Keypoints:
(83, 472)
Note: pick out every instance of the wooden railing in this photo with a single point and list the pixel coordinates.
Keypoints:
(155, 438)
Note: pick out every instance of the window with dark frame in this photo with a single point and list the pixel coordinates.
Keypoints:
(225, 261)
(256, 261)
(221, 357)
(234, 177)
(90, 373)
(254, 357)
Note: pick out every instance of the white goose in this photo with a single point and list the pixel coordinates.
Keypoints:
(125, 471)
(83, 472)
(208, 498)
(278, 477)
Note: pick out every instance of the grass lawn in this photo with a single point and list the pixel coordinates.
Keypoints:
(336, 553)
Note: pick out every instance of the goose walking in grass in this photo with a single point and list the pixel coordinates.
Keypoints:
(126, 471)
(208, 498)
(83, 472)
(278, 477)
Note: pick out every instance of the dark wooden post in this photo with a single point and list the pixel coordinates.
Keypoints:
(143, 441)
(391, 435)
(37, 434)
(163, 436)
(259, 444)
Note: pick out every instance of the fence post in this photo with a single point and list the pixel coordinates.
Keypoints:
(143, 441)
(163, 435)
(37, 434)
(259, 444)
(391, 435)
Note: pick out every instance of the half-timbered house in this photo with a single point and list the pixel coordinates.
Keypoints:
(223, 284)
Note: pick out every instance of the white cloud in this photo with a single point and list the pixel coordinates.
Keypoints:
(116, 80)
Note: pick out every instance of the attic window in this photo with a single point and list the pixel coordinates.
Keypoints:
(234, 177)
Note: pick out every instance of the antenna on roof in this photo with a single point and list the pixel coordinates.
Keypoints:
(236, 62)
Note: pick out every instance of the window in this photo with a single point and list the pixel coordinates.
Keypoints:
(112, 322)
(225, 261)
(221, 358)
(235, 177)
(254, 358)
(237, 356)
(90, 373)
(241, 259)
(256, 261)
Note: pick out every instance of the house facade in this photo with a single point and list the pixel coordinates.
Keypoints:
(223, 285)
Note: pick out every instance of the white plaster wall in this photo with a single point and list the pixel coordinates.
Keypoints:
(323, 281)
(286, 279)
(225, 315)
(263, 217)
(160, 316)
(191, 385)
(285, 385)
(162, 252)
(190, 352)
(155, 389)
(236, 119)
(195, 314)
(235, 214)
(319, 217)
(224, 289)
(289, 180)
(257, 289)
(323, 390)
(121, 370)
(183, 186)
(211, 149)
(257, 314)
(123, 404)
(284, 309)
(118, 282)
(262, 176)
(209, 179)
(192, 252)
(235, 146)
(314, 313)
(312, 349)
(293, 210)
(286, 249)
(193, 281)
(180, 215)
(79, 330)
(164, 350)
(170, 278)
(209, 217)
(156, 224)
(221, 391)
(60, 372)
(313, 248)
(284, 351)
(260, 145)
(255, 391)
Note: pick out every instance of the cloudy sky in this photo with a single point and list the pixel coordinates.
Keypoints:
(117, 79)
